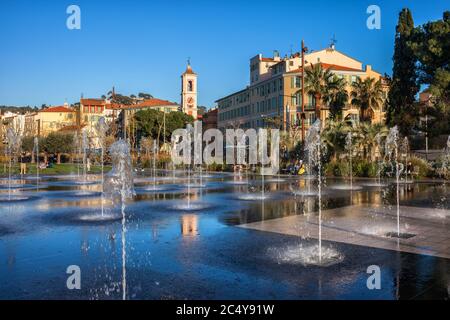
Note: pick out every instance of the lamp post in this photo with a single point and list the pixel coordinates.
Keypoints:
(304, 50)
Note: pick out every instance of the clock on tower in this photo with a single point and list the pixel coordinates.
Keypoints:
(189, 92)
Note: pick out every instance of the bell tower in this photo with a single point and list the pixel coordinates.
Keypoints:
(189, 92)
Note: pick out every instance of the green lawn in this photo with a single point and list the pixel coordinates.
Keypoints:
(64, 168)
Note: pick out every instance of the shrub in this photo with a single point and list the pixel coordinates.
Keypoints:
(360, 168)
(337, 168)
(421, 167)
(442, 167)
(215, 167)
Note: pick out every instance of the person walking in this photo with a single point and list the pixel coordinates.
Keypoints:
(23, 165)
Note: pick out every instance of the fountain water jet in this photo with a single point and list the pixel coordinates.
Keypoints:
(349, 147)
(102, 128)
(120, 182)
(14, 141)
(84, 145)
(391, 151)
(405, 147)
(313, 146)
(36, 151)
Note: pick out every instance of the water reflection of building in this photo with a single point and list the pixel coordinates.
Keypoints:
(189, 225)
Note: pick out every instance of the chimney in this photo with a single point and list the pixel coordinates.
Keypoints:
(368, 67)
(276, 55)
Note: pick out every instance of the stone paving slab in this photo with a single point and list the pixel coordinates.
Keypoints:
(367, 225)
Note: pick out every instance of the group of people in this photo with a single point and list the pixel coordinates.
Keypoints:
(298, 168)
(42, 164)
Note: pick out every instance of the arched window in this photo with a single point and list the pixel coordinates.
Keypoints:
(190, 85)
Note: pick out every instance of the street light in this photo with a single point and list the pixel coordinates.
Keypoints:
(304, 50)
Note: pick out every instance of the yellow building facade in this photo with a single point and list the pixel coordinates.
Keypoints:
(52, 119)
(275, 91)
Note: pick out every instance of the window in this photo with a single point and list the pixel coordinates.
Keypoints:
(312, 118)
(298, 82)
(190, 86)
(353, 79)
(299, 98)
(310, 101)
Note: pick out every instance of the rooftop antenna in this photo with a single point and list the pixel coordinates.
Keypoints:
(333, 42)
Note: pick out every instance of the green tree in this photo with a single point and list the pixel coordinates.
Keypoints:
(404, 84)
(144, 95)
(333, 136)
(151, 123)
(431, 44)
(336, 96)
(58, 144)
(318, 82)
(368, 136)
(201, 110)
(28, 146)
(176, 120)
(367, 95)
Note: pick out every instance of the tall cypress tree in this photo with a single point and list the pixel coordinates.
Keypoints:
(404, 85)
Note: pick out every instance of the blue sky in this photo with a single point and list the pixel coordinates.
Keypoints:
(142, 46)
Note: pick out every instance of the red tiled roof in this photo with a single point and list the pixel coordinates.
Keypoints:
(92, 102)
(154, 102)
(331, 67)
(295, 71)
(279, 62)
(189, 70)
(267, 59)
(57, 109)
(148, 103)
(113, 106)
(71, 127)
(337, 67)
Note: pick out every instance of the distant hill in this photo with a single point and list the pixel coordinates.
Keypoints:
(16, 109)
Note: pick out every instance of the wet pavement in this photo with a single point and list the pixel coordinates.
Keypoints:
(205, 250)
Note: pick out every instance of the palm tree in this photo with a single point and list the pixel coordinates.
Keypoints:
(333, 136)
(367, 95)
(368, 137)
(336, 96)
(318, 82)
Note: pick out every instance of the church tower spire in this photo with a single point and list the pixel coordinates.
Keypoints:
(189, 91)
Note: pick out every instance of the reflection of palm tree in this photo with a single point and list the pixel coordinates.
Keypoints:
(367, 95)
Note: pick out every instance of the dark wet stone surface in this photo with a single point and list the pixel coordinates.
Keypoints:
(173, 254)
